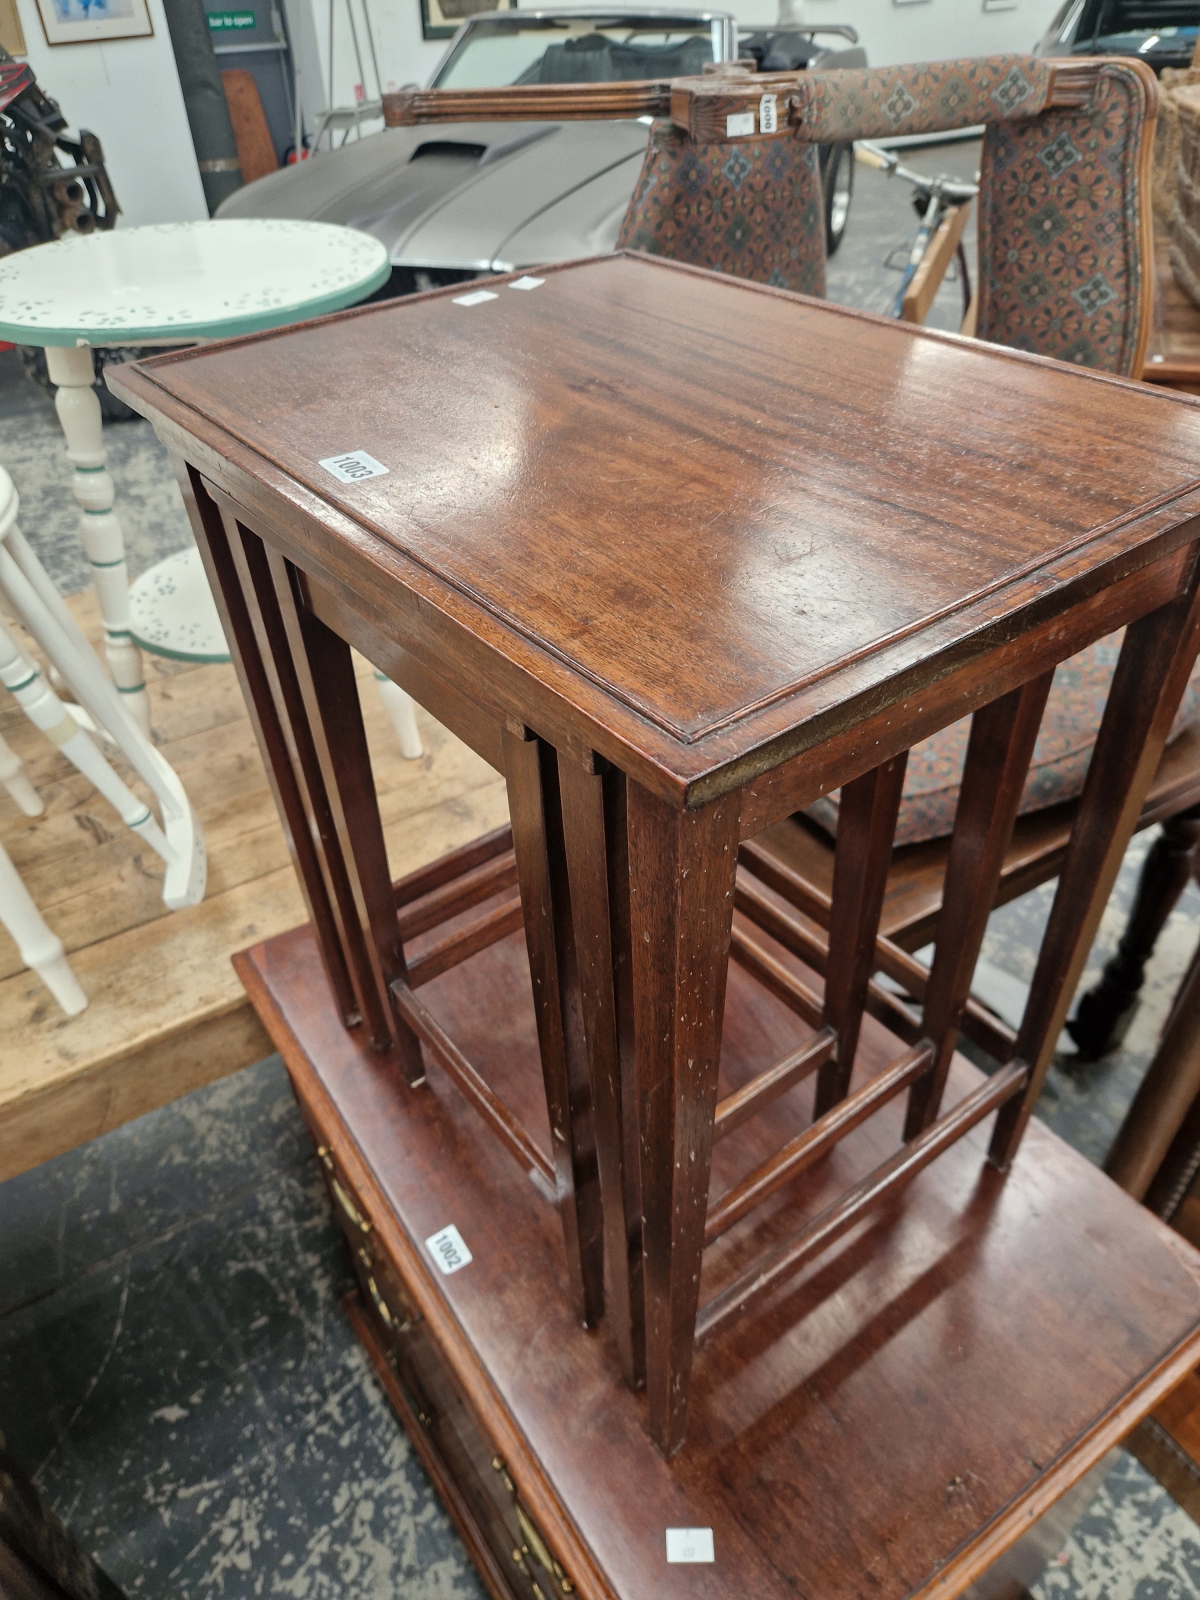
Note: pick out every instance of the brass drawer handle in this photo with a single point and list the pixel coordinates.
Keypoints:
(538, 1545)
(381, 1305)
(340, 1195)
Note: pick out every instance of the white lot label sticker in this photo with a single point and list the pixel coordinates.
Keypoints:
(766, 114)
(353, 466)
(448, 1250)
(475, 299)
(690, 1544)
(527, 283)
(741, 122)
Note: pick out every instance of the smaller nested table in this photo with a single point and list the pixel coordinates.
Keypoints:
(174, 283)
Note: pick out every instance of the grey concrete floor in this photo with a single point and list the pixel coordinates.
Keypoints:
(175, 1370)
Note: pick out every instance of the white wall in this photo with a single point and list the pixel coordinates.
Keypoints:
(926, 30)
(127, 92)
(920, 31)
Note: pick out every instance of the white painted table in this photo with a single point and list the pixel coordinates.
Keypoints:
(177, 283)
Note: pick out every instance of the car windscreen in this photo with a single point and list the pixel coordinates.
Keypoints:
(1152, 29)
(574, 50)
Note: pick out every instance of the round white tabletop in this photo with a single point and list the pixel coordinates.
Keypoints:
(182, 281)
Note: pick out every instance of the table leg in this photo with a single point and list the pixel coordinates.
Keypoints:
(1000, 749)
(595, 831)
(531, 774)
(39, 947)
(682, 866)
(79, 413)
(866, 826)
(1152, 670)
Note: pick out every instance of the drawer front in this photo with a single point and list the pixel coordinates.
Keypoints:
(448, 1426)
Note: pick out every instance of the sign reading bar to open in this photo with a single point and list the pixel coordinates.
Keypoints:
(227, 21)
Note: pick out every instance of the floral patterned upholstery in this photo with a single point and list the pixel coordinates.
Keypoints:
(1060, 259)
(927, 97)
(751, 209)
(1060, 758)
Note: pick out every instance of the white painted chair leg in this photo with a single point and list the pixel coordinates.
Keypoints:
(399, 708)
(40, 948)
(46, 711)
(103, 540)
(12, 776)
(38, 604)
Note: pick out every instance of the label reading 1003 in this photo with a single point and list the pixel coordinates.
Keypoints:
(353, 466)
(448, 1250)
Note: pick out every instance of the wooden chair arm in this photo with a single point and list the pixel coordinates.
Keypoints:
(935, 263)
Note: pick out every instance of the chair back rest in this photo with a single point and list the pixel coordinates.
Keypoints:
(751, 209)
(1066, 246)
(731, 180)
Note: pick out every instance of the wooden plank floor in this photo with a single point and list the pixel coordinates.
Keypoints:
(167, 1013)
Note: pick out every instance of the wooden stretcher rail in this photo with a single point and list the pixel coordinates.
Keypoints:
(494, 1112)
(784, 1262)
(812, 948)
(416, 885)
(774, 976)
(472, 888)
(979, 1025)
(808, 1146)
(754, 1096)
(465, 942)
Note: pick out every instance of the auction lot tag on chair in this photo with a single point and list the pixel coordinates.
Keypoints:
(353, 466)
(690, 1544)
(448, 1250)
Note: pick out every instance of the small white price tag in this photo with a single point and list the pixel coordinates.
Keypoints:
(353, 466)
(690, 1544)
(527, 283)
(448, 1250)
(475, 299)
(766, 114)
(739, 123)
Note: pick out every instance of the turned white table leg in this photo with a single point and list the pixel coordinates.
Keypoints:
(12, 776)
(399, 708)
(40, 948)
(46, 711)
(79, 413)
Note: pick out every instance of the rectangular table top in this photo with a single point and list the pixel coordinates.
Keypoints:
(697, 508)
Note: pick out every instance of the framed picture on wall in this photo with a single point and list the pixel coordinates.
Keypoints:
(85, 21)
(11, 36)
(440, 19)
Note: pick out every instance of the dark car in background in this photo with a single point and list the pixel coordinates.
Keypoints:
(1161, 32)
(459, 200)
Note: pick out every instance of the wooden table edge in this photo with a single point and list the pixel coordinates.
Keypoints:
(1074, 1463)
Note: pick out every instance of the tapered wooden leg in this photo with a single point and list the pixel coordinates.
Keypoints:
(681, 881)
(1165, 1095)
(221, 550)
(1156, 658)
(325, 673)
(594, 825)
(532, 775)
(1000, 749)
(1103, 1015)
(866, 826)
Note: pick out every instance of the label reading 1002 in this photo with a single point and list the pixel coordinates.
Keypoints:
(448, 1250)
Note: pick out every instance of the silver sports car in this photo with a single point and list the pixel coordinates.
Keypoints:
(462, 199)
